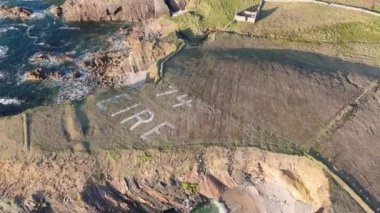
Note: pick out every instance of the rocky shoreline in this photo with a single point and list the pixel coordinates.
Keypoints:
(130, 60)
(15, 12)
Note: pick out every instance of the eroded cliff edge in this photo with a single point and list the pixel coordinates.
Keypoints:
(116, 10)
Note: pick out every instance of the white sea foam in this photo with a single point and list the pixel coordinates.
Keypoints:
(220, 206)
(35, 38)
(20, 25)
(6, 29)
(69, 28)
(77, 89)
(10, 101)
(3, 51)
(2, 75)
(38, 15)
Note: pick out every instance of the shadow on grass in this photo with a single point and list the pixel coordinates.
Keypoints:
(306, 62)
(265, 13)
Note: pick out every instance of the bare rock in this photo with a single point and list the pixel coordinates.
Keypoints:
(126, 10)
(50, 59)
(113, 68)
(35, 75)
(15, 12)
(57, 11)
(39, 75)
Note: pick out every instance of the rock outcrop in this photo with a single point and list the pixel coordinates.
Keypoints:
(143, 48)
(39, 74)
(153, 181)
(114, 10)
(42, 59)
(15, 12)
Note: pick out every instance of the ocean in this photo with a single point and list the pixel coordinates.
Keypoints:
(43, 33)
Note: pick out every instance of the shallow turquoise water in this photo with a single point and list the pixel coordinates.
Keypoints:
(19, 40)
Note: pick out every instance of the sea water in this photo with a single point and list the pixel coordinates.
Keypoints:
(211, 207)
(43, 33)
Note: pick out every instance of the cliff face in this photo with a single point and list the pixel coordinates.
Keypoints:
(130, 65)
(126, 10)
(14, 12)
(153, 181)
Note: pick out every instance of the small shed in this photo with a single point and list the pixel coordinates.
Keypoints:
(246, 16)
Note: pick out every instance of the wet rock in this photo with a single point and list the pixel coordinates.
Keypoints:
(39, 74)
(50, 59)
(14, 12)
(35, 75)
(57, 11)
(55, 75)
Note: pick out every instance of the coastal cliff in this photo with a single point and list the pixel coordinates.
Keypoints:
(115, 10)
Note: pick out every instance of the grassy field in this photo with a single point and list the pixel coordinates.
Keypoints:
(369, 4)
(212, 14)
(312, 22)
(303, 22)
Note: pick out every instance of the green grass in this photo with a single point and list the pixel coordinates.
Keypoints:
(115, 155)
(190, 187)
(302, 24)
(342, 33)
(146, 156)
(376, 9)
(211, 14)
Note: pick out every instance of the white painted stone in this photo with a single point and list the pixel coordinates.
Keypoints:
(156, 130)
(182, 101)
(125, 110)
(140, 119)
(169, 92)
(112, 100)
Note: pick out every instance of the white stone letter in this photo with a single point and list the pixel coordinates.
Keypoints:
(182, 101)
(169, 92)
(125, 110)
(156, 130)
(140, 119)
(101, 106)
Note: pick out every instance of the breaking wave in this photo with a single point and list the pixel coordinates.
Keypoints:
(69, 28)
(3, 51)
(220, 206)
(38, 15)
(2, 75)
(9, 101)
(6, 29)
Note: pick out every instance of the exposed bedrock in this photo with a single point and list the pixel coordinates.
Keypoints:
(130, 65)
(14, 12)
(115, 10)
